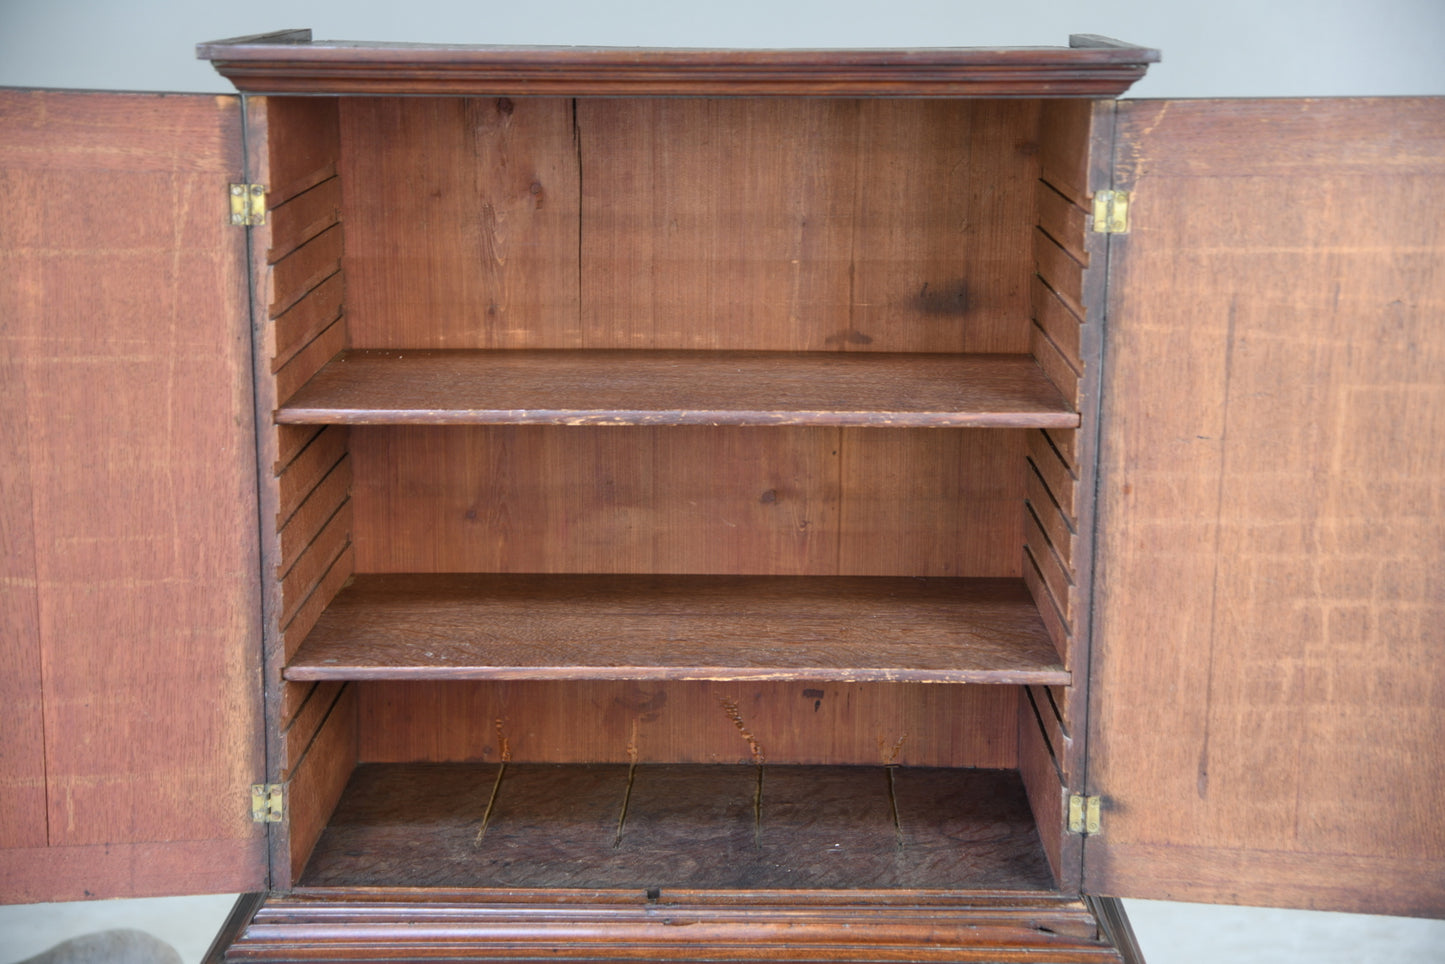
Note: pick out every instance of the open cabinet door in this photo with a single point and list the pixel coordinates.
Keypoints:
(1268, 681)
(129, 613)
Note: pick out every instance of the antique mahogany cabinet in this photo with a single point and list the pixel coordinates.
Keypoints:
(761, 505)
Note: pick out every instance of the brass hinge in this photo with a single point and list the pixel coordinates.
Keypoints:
(1111, 212)
(1083, 814)
(268, 802)
(248, 204)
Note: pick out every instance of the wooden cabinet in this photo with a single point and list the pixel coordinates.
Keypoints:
(850, 503)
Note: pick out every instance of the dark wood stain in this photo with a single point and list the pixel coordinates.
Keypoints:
(686, 827)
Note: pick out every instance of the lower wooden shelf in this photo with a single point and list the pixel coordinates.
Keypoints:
(852, 628)
(655, 828)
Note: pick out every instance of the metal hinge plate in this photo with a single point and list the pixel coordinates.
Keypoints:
(1111, 212)
(268, 802)
(248, 204)
(1084, 814)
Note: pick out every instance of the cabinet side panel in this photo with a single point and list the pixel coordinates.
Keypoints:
(316, 778)
(301, 319)
(1267, 681)
(138, 411)
(1040, 755)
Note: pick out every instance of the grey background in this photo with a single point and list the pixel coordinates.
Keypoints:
(1244, 48)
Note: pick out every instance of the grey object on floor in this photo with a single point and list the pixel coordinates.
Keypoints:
(109, 947)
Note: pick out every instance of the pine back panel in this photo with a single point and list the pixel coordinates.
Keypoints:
(764, 501)
(774, 224)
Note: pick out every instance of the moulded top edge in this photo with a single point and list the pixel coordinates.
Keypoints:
(290, 62)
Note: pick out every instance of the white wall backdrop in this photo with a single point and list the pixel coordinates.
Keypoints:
(1211, 49)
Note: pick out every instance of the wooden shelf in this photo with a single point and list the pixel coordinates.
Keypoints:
(680, 627)
(679, 388)
(657, 828)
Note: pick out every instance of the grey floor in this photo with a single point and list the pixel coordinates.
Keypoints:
(1169, 933)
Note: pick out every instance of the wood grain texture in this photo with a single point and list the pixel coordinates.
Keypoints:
(941, 222)
(763, 501)
(1059, 322)
(1065, 131)
(679, 627)
(293, 146)
(125, 870)
(1057, 572)
(683, 827)
(679, 388)
(1062, 219)
(310, 608)
(1056, 525)
(302, 579)
(1060, 270)
(854, 925)
(132, 338)
(292, 698)
(1054, 363)
(718, 224)
(1046, 712)
(22, 691)
(1271, 467)
(1093, 144)
(301, 149)
(289, 441)
(1065, 443)
(302, 322)
(920, 501)
(315, 781)
(1057, 475)
(910, 724)
(300, 477)
(300, 730)
(805, 225)
(308, 360)
(294, 275)
(465, 222)
(1048, 791)
(303, 217)
(315, 512)
(376, 68)
(1058, 628)
(1346, 883)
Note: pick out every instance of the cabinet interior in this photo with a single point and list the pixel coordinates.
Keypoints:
(674, 492)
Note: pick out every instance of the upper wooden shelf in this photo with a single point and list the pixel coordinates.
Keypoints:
(291, 62)
(846, 628)
(525, 387)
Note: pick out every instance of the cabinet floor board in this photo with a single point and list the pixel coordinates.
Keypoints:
(658, 827)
